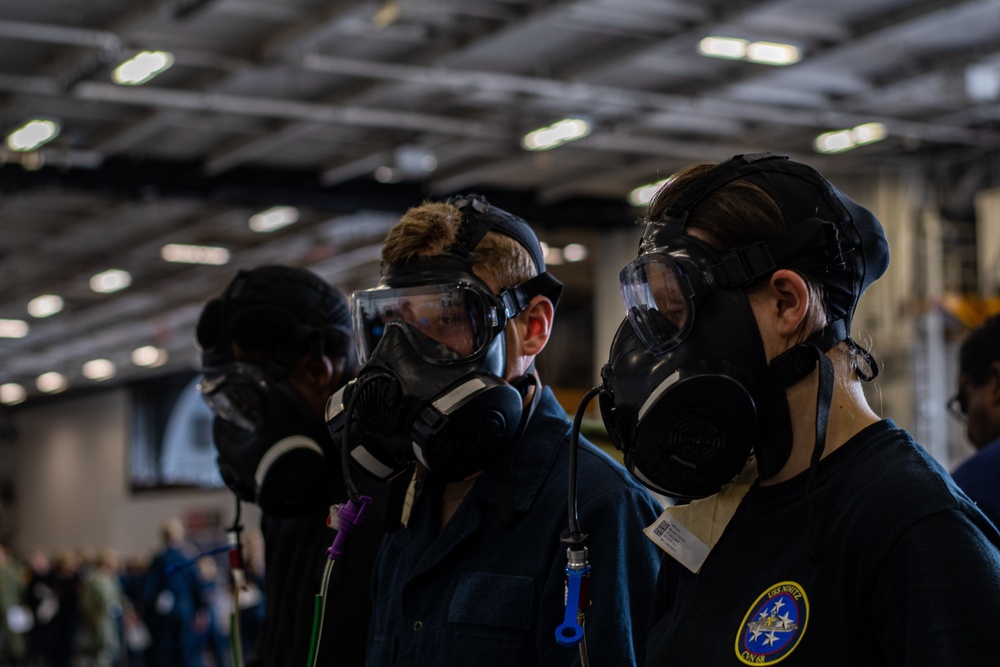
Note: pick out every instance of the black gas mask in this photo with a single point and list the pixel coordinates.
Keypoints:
(687, 393)
(270, 446)
(431, 340)
(273, 450)
(687, 389)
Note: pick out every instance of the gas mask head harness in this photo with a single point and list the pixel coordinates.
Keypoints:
(431, 340)
(687, 393)
(272, 448)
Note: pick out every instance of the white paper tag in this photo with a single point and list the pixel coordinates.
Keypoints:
(689, 532)
(671, 536)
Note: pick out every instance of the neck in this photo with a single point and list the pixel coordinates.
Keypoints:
(452, 497)
(849, 414)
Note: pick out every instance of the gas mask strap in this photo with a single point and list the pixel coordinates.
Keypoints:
(475, 225)
(517, 298)
(824, 399)
(793, 365)
(871, 369)
(722, 173)
(505, 476)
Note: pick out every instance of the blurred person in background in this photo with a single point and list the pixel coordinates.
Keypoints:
(101, 605)
(135, 634)
(66, 621)
(13, 616)
(977, 403)
(40, 598)
(172, 604)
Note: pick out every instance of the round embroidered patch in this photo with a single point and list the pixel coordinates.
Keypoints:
(774, 625)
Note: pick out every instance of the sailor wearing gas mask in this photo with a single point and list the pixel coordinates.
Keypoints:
(275, 346)
(448, 340)
(818, 533)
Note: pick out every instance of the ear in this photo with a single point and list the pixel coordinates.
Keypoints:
(535, 325)
(789, 296)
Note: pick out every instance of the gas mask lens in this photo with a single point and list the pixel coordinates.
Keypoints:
(659, 300)
(447, 323)
(236, 393)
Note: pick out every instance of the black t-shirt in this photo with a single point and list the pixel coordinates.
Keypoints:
(906, 571)
(295, 558)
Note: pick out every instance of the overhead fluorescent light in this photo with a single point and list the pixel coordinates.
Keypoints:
(644, 194)
(735, 48)
(32, 135)
(839, 141)
(51, 382)
(194, 254)
(99, 369)
(274, 218)
(723, 47)
(149, 356)
(982, 82)
(45, 305)
(772, 53)
(110, 281)
(142, 67)
(557, 134)
(13, 328)
(12, 393)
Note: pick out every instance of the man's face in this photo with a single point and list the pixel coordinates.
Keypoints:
(977, 405)
(440, 319)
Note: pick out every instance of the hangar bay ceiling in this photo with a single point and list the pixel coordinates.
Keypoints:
(351, 111)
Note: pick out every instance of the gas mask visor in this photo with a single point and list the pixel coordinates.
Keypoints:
(659, 290)
(447, 323)
(235, 392)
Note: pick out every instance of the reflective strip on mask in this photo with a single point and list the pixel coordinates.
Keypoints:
(370, 463)
(656, 393)
(281, 448)
(458, 394)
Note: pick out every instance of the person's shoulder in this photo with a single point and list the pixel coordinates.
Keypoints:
(894, 472)
(599, 476)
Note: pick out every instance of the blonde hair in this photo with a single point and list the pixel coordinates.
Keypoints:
(429, 229)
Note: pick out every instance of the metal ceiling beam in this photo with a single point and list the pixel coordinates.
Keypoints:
(294, 45)
(264, 107)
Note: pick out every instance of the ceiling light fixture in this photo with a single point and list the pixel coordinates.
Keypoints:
(13, 328)
(142, 67)
(575, 252)
(557, 134)
(32, 135)
(723, 47)
(12, 393)
(839, 141)
(149, 356)
(772, 53)
(110, 281)
(194, 254)
(99, 369)
(734, 48)
(274, 218)
(45, 305)
(51, 382)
